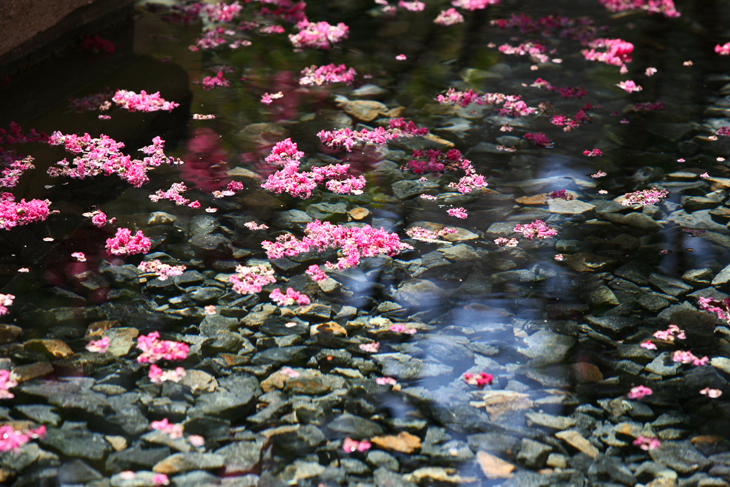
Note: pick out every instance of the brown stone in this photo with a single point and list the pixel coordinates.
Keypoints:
(498, 403)
(31, 371)
(538, 199)
(119, 443)
(184, 462)
(274, 381)
(494, 467)
(403, 443)
(359, 213)
(330, 327)
(98, 328)
(8, 333)
(365, 110)
(49, 348)
(199, 380)
(437, 474)
(586, 262)
(706, 439)
(583, 372)
(121, 340)
(232, 360)
(574, 439)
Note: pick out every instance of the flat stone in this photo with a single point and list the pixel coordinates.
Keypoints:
(546, 347)
(49, 348)
(669, 285)
(577, 441)
(569, 207)
(722, 277)
(403, 442)
(533, 453)
(680, 456)
(494, 467)
(76, 443)
(185, 462)
(549, 421)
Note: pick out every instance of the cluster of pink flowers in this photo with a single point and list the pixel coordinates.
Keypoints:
(11, 175)
(97, 101)
(255, 226)
(599, 174)
(536, 229)
(449, 17)
(647, 444)
(386, 381)
(665, 7)
(373, 347)
(250, 280)
(351, 446)
(16, 135)
(593, 153)
(561, 194)
(347, 138)
(14, 213)
(413, 6)
(354, 243)
(291, 180)
(670, 334)
(617, 52)
(327, 74)
(129, 100)
(723, 50)
(315, 273)
(7, 380)
(98, 218)
(158, 376)
(480, 380)
(12, 439)
(459, 213)
(472, 5)
(720, 308)
(163, 271)
(401, 328)
(175, 431)
(268, 98)
(436, 161)
(201, 116)
(645, 197)
(639, 392)
(539, 139)
(569, 123)
(103, 156)
(514, 107)
(157, 479)
(420, 233)
(99, 346)
(506, 242)
(210, 82)
(221, 12)
(154, 349)
(629, 86)
(172, 194)
(79, 256)
(318, 35)
(711, 393)
(687, 357)
(124, 243)
(290, 298)
(533, 49)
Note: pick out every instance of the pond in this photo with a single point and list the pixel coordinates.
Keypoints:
(347, 244)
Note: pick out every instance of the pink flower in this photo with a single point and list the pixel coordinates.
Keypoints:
(593, 153)
(123, 243)
(154, 349)
(539, 139)
(420, 233)
(473, 4)
(350, 446)
(370, 347)
(536, 229)
(268, 98)
(459, 213)
(386, 381)
(318, 35)
(559, 257)
(14, 214)
(255, 226)
(650, 72)
(647, 444)
(210, 309)
(131, 101)
(99, 346)
(648, 345)
(7, 380)
(174, 430)
(250, 280)
(210, 82)
(686, 357)
(704, 175)
(158, 376)
(629, 86)
(506, 242)
(449, 17)
(401, 57)
(670, 334)
(599, 174)
(160, 479)
(12, 439)
(480, 380)
(291, 297)
(645, 197)
(327, 74)
(163, 271)
(196, 440)
(79, 256)
(618, 52)
(711, 393)
(401, 328)
(639, 392)
(723, 50)
(5, 301)
(172, 194)
(315, 273)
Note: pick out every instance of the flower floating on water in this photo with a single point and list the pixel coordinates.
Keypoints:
(559, 257)
(318, 35)
(5, 301)
(250, 280)
(210, 82)
(687, 357)
(506, 242)
(351, 446)
(648, 345)
(539, 139)
(420, 233)
(327, 74)
(629, 86)
(560, 194)
(79, 256)
(599, 174)
(480, 380)
(723, 50)
(158, 376)
(154, 349)
(536, 229)
(124, 243)
(400, 57)
(163, 271)
(639, 392)
(175, 431)
(131, 101)
(370, 347)
(459, 213)
(291, 297)
(670, 334)
(255, 226)
(12, 439)
(593, 153)
(449, 17)
(647, 444)
(268, 98)
(645, 197)
(650, 71)
(711, 393)
(14, 214)
(7, 380)
(98, 346)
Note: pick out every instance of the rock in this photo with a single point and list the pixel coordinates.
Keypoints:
(419, 293)
(300, 470)
(381, 459)
(8, 333)
(723, 277)
(680, 456)
(121, 340)
(76, 443)
(587, 262)
(549, 421)
(494, 467)
(77, 472)
(602, 296)
(699, 277)
(48, 348)
(295, 439)
(387, 478)
(533, 453)
(431, 475)
(185, 462)
(662, 365)
(365, 110)
(669, 285)
(546, 347)
(136, 458)
(199, 381)
(355, 427)
(617, 325)
(241, 456)
(499, 403)
(574, 439)
(403, 442)
(569, 207)
(406, 188)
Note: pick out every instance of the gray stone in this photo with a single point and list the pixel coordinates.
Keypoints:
(203, 225)
(241, 456)
(76, 443)
(420, 293)
(680, 456)
(663, 365)
(602, 296)
(653, 302)
(355, 427)
(136, 458)
(546, 347)
(405, 188)
(197, 478)
(614, 324)
(723, 277)
(185, 462)
(533, 453)
(40, 414)
(669, 285)
(569, 207)
(387, 478)
(381, 459)
(550, 421)
(699, 277)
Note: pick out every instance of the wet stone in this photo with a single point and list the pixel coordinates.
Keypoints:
(381, 459)
(185, 462)
(355, 427)
(40, 414)
(669, 285)
(196, 478)
(546, 347)
(291, 355)
(136, 458)
(614, 324)
(698, 277)
(407, 188)
(653, 302)
(680, 456)
(549, 421)
(533, 453)
(662, 365)
(241, 456)
(76, 443)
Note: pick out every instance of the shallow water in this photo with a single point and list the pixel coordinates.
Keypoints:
(561, 338)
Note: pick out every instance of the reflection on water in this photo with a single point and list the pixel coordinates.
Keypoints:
(566, 326)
